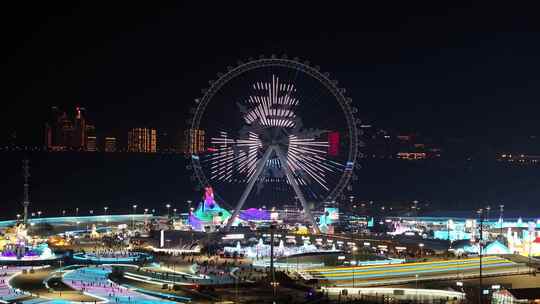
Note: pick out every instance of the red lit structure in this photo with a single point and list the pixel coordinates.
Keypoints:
(333, 143)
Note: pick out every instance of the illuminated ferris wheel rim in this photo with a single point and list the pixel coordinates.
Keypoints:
(295, 64)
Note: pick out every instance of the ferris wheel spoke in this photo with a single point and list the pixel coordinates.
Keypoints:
(297, 190)
(250, 185)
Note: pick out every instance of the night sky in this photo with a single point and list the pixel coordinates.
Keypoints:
(466, 70)
(456, 71)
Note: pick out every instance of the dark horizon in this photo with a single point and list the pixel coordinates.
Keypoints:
(118, 180)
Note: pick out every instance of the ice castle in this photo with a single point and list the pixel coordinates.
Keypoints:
(208, 213)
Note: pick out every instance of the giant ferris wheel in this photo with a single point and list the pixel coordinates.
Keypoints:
(277, 130)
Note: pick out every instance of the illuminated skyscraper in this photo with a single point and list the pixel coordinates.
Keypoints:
(195, 142)
(91, 139)
(62, 133)
(58, 130)
(66, 130)
(78, 140)
(110, 144)
(142, 140)
(91, 144)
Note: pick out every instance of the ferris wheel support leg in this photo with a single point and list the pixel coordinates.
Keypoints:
(297, 190)
(243, 198)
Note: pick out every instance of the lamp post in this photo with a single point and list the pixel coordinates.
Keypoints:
(354, 268)
(273, 283)
(481, 213)
(501, 208)
(174, 212)
(416, 285)
(133, 216)
(105, 210)
(168, 208)
(415, 208)
(421, 245)
(18, 217)
(39, 214)
(63, 212)
(77, 217)
(189, 204)
(236, 288)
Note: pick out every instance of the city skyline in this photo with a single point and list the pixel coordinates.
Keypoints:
(378, 80)
(414, 145)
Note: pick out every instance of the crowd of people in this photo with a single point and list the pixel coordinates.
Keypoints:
(110, 253)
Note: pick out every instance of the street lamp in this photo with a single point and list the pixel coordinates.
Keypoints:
(189, 204)
(168, 207)
(355, 264)
(501, 208)
(274, 287)
(63, 212)
(272, 271)
(105, 210)
(174, 212)
(133, 216)
(421, 245)
(39, 214)
(481, 213)
(416, 284)
(18, 217)
(145, 210)
(77, 211)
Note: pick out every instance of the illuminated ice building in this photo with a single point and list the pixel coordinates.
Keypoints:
(208, 214)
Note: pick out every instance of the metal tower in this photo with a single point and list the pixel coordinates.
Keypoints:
(26, 195)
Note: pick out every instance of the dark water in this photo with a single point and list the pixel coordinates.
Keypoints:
(118, 180)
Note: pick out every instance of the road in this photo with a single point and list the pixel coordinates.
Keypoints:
(411, 272)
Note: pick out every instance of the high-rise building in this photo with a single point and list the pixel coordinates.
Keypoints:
(57, 130)
(91, 143)
(63, 133)
(79, 130)
(194, 141)
(110, 144)
(142, 140)
(91, 139)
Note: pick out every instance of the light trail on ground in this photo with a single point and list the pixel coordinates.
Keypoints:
(410, 271)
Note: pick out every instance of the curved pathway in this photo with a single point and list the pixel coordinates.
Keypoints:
(95, 282)
(7, 292)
